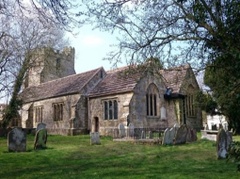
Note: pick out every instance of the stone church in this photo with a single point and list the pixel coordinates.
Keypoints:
(100, 101)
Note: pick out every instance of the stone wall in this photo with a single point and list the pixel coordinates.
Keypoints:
(54, 127)
(132, 109)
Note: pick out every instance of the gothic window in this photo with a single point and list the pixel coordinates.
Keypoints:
(58, 112)
(189, 102)
(151, 100)
(38, 113)
(110, 109)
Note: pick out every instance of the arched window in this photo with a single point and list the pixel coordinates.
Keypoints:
(152, 100)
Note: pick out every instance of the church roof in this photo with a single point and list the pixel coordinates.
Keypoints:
(116, 81)
(120, 80)
(174, 77)
(71, 84)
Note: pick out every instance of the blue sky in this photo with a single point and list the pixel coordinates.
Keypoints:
(91, 46)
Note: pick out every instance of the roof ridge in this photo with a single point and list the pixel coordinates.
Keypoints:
(62, 78)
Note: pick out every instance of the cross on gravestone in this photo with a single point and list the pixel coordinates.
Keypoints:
(40, 139)
(95, 138)
(17, 140)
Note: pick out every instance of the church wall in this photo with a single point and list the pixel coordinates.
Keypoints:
(96, 111)
(138, 106)
(190, 81)
(62, 127)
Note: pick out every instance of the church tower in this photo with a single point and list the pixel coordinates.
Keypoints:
(47, 64)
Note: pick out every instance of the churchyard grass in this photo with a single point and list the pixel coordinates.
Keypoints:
(73, 157)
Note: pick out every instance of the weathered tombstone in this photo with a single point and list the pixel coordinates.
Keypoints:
(181, 135)
(40, 126)
(222, 144)
(143, 135)
(17, 140)
(95, 138)
(40, 139)
(166, 140)
(191, 135)
(225, 125)
(150, 135)
(122, 132)
(131, 130)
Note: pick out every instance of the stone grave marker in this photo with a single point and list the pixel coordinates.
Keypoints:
(40, 139)
(17, 140)
(166, 140)
(191, 135)
(181, 135)
(95, 138)
(122, 132)
(143, 135)
(222, 144)
(40, 126)
(131, 130)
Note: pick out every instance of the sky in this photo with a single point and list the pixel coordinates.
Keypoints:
(91, 46)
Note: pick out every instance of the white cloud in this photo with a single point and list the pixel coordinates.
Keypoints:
(92, 40)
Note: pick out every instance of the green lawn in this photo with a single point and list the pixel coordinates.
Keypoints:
(74, 157)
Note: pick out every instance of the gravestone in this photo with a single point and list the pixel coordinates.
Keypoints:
(150, 135)
(143, 135)
(181, 134)
(40, 126)
(222, 144)
(131, 130)
(17, 140)
(40, 139)
(191, 135)
(166, 138)
(95, 138)
(169, 136)
(121, 129)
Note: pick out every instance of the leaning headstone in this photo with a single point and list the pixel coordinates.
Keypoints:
(40, 126)
(17, 140)
(95, 138)
(40, 139)
(222, 144)
(122, 132)
(181, 135)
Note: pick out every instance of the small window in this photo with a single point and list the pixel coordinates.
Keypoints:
(58, 112)
(38, 114)
(110, 109)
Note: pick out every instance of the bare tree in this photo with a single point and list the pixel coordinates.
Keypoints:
(20, 36)
(176, 31)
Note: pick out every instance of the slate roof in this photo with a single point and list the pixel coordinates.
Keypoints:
(174, 77)
(117, 81)
(71, 84)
